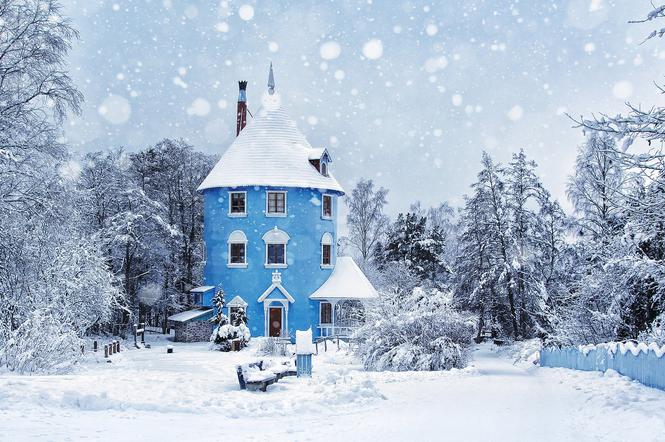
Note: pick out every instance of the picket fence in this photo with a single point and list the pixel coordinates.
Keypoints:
(641, 362)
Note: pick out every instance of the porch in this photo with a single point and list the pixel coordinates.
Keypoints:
(342, 299)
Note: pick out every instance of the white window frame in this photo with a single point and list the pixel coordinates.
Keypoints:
(286, 207)
(267, 240)
(332, 312)
(332, 209)
(276, 266)
(230, 241)
(237, 215)
(327, 240)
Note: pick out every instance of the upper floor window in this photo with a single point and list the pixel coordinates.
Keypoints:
(326, 250)
(237, 203)
(237, 249)
(324, 168)
(276, 204)
(327, 207)
(276, 241)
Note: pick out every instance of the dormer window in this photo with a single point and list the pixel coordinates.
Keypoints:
(324, 168)
(276, 203)
(326, 207)
(237, 203)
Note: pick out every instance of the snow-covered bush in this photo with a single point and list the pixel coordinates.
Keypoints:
(271, 347)
(417, 332)
(41, 344)
(226, 331)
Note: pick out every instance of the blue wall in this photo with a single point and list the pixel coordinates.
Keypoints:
(303, 275)
(646, 367)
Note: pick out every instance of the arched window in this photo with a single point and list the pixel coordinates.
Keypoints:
(276, 241)
(326, 250)
(237, 249)
(324, 168)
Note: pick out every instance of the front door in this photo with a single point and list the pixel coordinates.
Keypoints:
(275, 322)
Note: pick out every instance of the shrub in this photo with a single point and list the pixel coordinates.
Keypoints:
(406, 334)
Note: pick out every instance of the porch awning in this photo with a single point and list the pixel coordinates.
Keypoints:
(347, 281)
(202, 289)
(190, 314)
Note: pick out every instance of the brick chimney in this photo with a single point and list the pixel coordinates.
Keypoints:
(241, 120)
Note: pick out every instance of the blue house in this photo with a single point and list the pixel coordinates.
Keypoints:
(270, 230)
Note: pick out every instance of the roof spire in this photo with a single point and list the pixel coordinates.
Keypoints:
(271, 81)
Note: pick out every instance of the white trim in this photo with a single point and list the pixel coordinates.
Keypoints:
(239, 214)
(332, 312)
(272, 237)
(236, 237)
(327, 240)
(286, 208)
(323, 205)
(267, 305)
(276, 236)
(278, 286)
(237, 301)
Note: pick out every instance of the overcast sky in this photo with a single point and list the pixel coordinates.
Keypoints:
(408, 93)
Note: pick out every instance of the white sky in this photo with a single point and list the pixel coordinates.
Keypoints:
(413, 112)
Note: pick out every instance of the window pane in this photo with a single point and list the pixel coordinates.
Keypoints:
(326, 254)
(327, 205)
(276, 254)
(276, 202)
(237, 253)
(326, 313)
(237, 202)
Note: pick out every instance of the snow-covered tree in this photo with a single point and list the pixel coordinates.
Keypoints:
(54, 281)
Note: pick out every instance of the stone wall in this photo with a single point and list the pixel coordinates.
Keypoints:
(193, 331)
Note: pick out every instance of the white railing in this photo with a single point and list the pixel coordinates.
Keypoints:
(329, 330)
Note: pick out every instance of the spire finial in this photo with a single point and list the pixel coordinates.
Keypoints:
(271, 81)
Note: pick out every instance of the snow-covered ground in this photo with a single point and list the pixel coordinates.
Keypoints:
(193, 394)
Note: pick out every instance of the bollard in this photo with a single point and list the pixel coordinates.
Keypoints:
(106, 351)
(118, 346)
(94, 345)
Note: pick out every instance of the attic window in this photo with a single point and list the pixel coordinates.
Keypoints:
(324, 168)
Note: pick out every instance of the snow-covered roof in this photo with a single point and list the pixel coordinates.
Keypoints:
(202, 289)
(270, 151)
(237, 302)
(317, 153)
(347, 281)
(189, 314)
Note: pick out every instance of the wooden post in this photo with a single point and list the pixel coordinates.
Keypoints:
(106, 351)
(337, 342)
(143, 332)
(325, 345)
(136, 327)
(94, 345)
(118, 346)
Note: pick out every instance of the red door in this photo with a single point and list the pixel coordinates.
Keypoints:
(275, 322)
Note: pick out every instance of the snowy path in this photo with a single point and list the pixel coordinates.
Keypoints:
(193, 394)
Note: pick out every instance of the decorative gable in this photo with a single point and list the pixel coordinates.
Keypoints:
(276, 290)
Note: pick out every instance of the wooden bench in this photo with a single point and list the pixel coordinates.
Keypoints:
(254, 377)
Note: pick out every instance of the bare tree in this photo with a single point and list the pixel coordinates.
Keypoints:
(366, 220)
